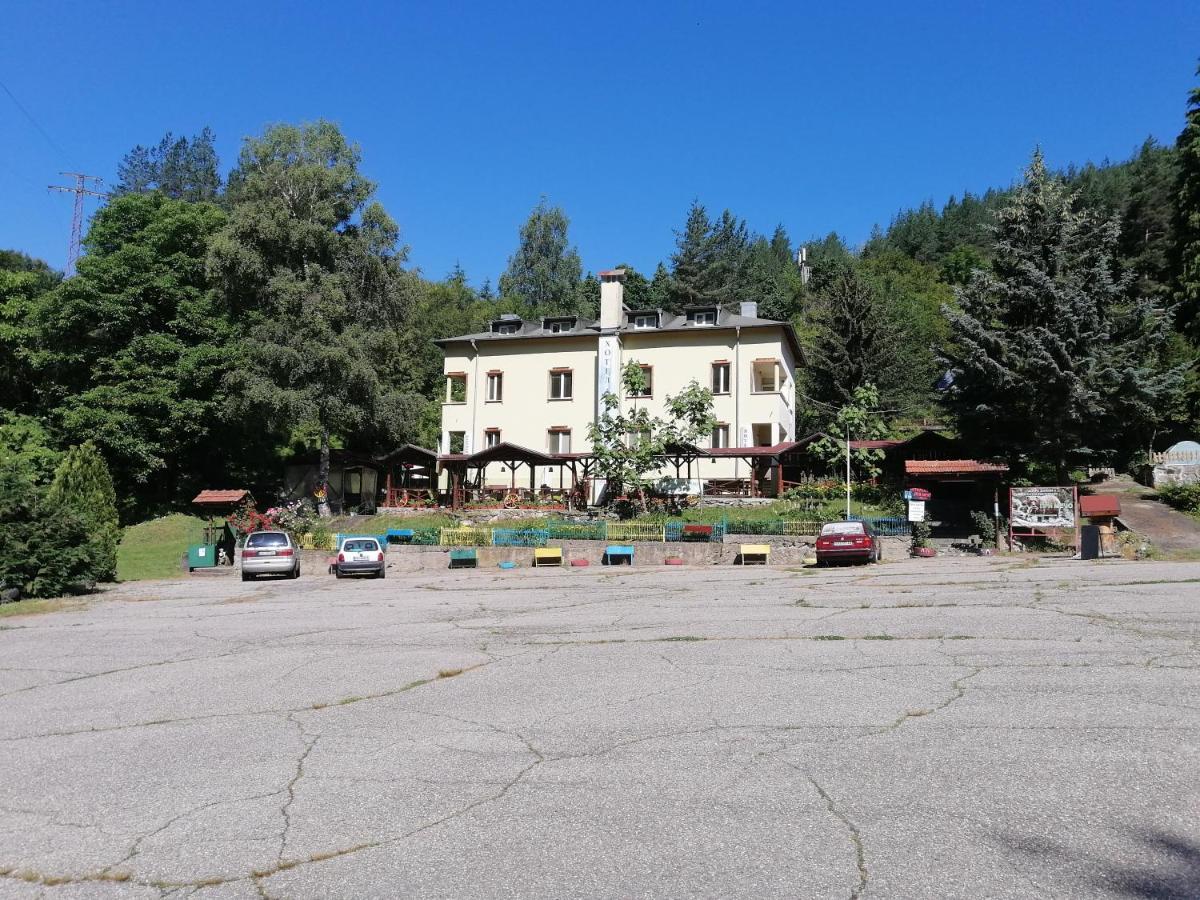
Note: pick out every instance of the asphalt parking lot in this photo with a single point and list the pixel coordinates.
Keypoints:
(932, 728)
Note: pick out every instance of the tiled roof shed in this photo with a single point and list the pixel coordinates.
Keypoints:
(953, 467)
(220, 498)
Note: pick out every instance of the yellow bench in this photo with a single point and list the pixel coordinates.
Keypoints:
(547, 556)
(759, 554)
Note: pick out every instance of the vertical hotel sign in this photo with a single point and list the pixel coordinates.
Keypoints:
(608, 364)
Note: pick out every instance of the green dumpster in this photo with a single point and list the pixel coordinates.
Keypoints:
(202, 556)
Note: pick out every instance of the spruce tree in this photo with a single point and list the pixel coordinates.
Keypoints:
(82, 486)
(1187, 216)
(1053, 356)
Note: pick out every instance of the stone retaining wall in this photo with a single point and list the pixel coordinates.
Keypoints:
(409, 558)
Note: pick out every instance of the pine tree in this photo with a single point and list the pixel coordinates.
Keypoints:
(1053, 356)
(83, 486)
(1187, 216)
(181, 169)
(710, 259)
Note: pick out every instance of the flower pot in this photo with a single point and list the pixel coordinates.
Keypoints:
(924, 552)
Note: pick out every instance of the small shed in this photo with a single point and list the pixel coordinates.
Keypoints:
(353, 480)
(957, 487)
(216, 544)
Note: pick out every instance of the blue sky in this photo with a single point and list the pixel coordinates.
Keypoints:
(821, 117)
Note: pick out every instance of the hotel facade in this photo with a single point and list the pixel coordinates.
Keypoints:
(538, 384)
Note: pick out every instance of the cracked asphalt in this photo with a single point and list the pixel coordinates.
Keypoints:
(924, 728)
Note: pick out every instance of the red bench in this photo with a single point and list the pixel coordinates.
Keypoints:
(697, 532)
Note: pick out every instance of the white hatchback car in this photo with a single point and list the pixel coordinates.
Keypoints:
(269, 553)
(360, 556)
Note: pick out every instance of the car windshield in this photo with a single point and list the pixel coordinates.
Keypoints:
(843, 528)
(267, 539)
(360, 546)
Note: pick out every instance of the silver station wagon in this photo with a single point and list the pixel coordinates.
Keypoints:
(269, 553)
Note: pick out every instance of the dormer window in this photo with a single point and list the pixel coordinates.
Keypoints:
(644, 320)
(558, 326)
(702, 316)
(506, 325)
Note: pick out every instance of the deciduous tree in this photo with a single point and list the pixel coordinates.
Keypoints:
(545, 271)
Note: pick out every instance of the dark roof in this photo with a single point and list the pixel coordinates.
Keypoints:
(410, 453)
(585, 327)
(336, 457)
(506, 452)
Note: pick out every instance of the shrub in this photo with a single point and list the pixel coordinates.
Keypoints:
(83, 486)
(46, 547)
(983, 526)
(921, 532)
(1185, 496)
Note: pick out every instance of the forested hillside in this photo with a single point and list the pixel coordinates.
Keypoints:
(219, 325)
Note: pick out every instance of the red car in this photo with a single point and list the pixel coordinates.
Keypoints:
(852, 541)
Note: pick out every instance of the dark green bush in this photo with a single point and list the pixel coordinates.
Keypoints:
(921, 532)
(83, 486)
(983, 525)
(44, 548)
(1181, 496)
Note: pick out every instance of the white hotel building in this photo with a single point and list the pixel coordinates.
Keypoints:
(538, 384)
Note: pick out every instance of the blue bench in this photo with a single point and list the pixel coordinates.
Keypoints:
(400, 535)
(463, 559)
(618, 554)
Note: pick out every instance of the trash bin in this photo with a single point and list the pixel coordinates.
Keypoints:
(1089, 542)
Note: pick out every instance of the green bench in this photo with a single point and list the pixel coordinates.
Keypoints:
(463, 559)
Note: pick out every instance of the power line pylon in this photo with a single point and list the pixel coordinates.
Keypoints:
(79, 190)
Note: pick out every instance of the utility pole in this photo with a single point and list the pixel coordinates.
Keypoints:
(847, 473)
(79, 190)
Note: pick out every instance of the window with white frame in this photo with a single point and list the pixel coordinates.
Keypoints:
(645, 320)
(720, 435)
(491, 437)
(702, 317)
(559, 440)
(558, 326)
(495, 387)
(561, 384)
(720, 378)
(506, 326)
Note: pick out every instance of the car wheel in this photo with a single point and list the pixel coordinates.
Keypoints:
(337, 573)
(382, 573)
(879, 554)
(296, 572)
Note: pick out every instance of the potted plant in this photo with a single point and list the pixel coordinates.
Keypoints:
(920, 539)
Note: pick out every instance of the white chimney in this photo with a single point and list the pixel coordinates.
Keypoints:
(612, 298)
(750, 309)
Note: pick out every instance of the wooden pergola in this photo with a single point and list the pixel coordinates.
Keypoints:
(404, 468)
(467, 470)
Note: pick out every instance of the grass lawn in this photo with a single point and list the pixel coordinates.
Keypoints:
(152, 549)
(31, 607)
